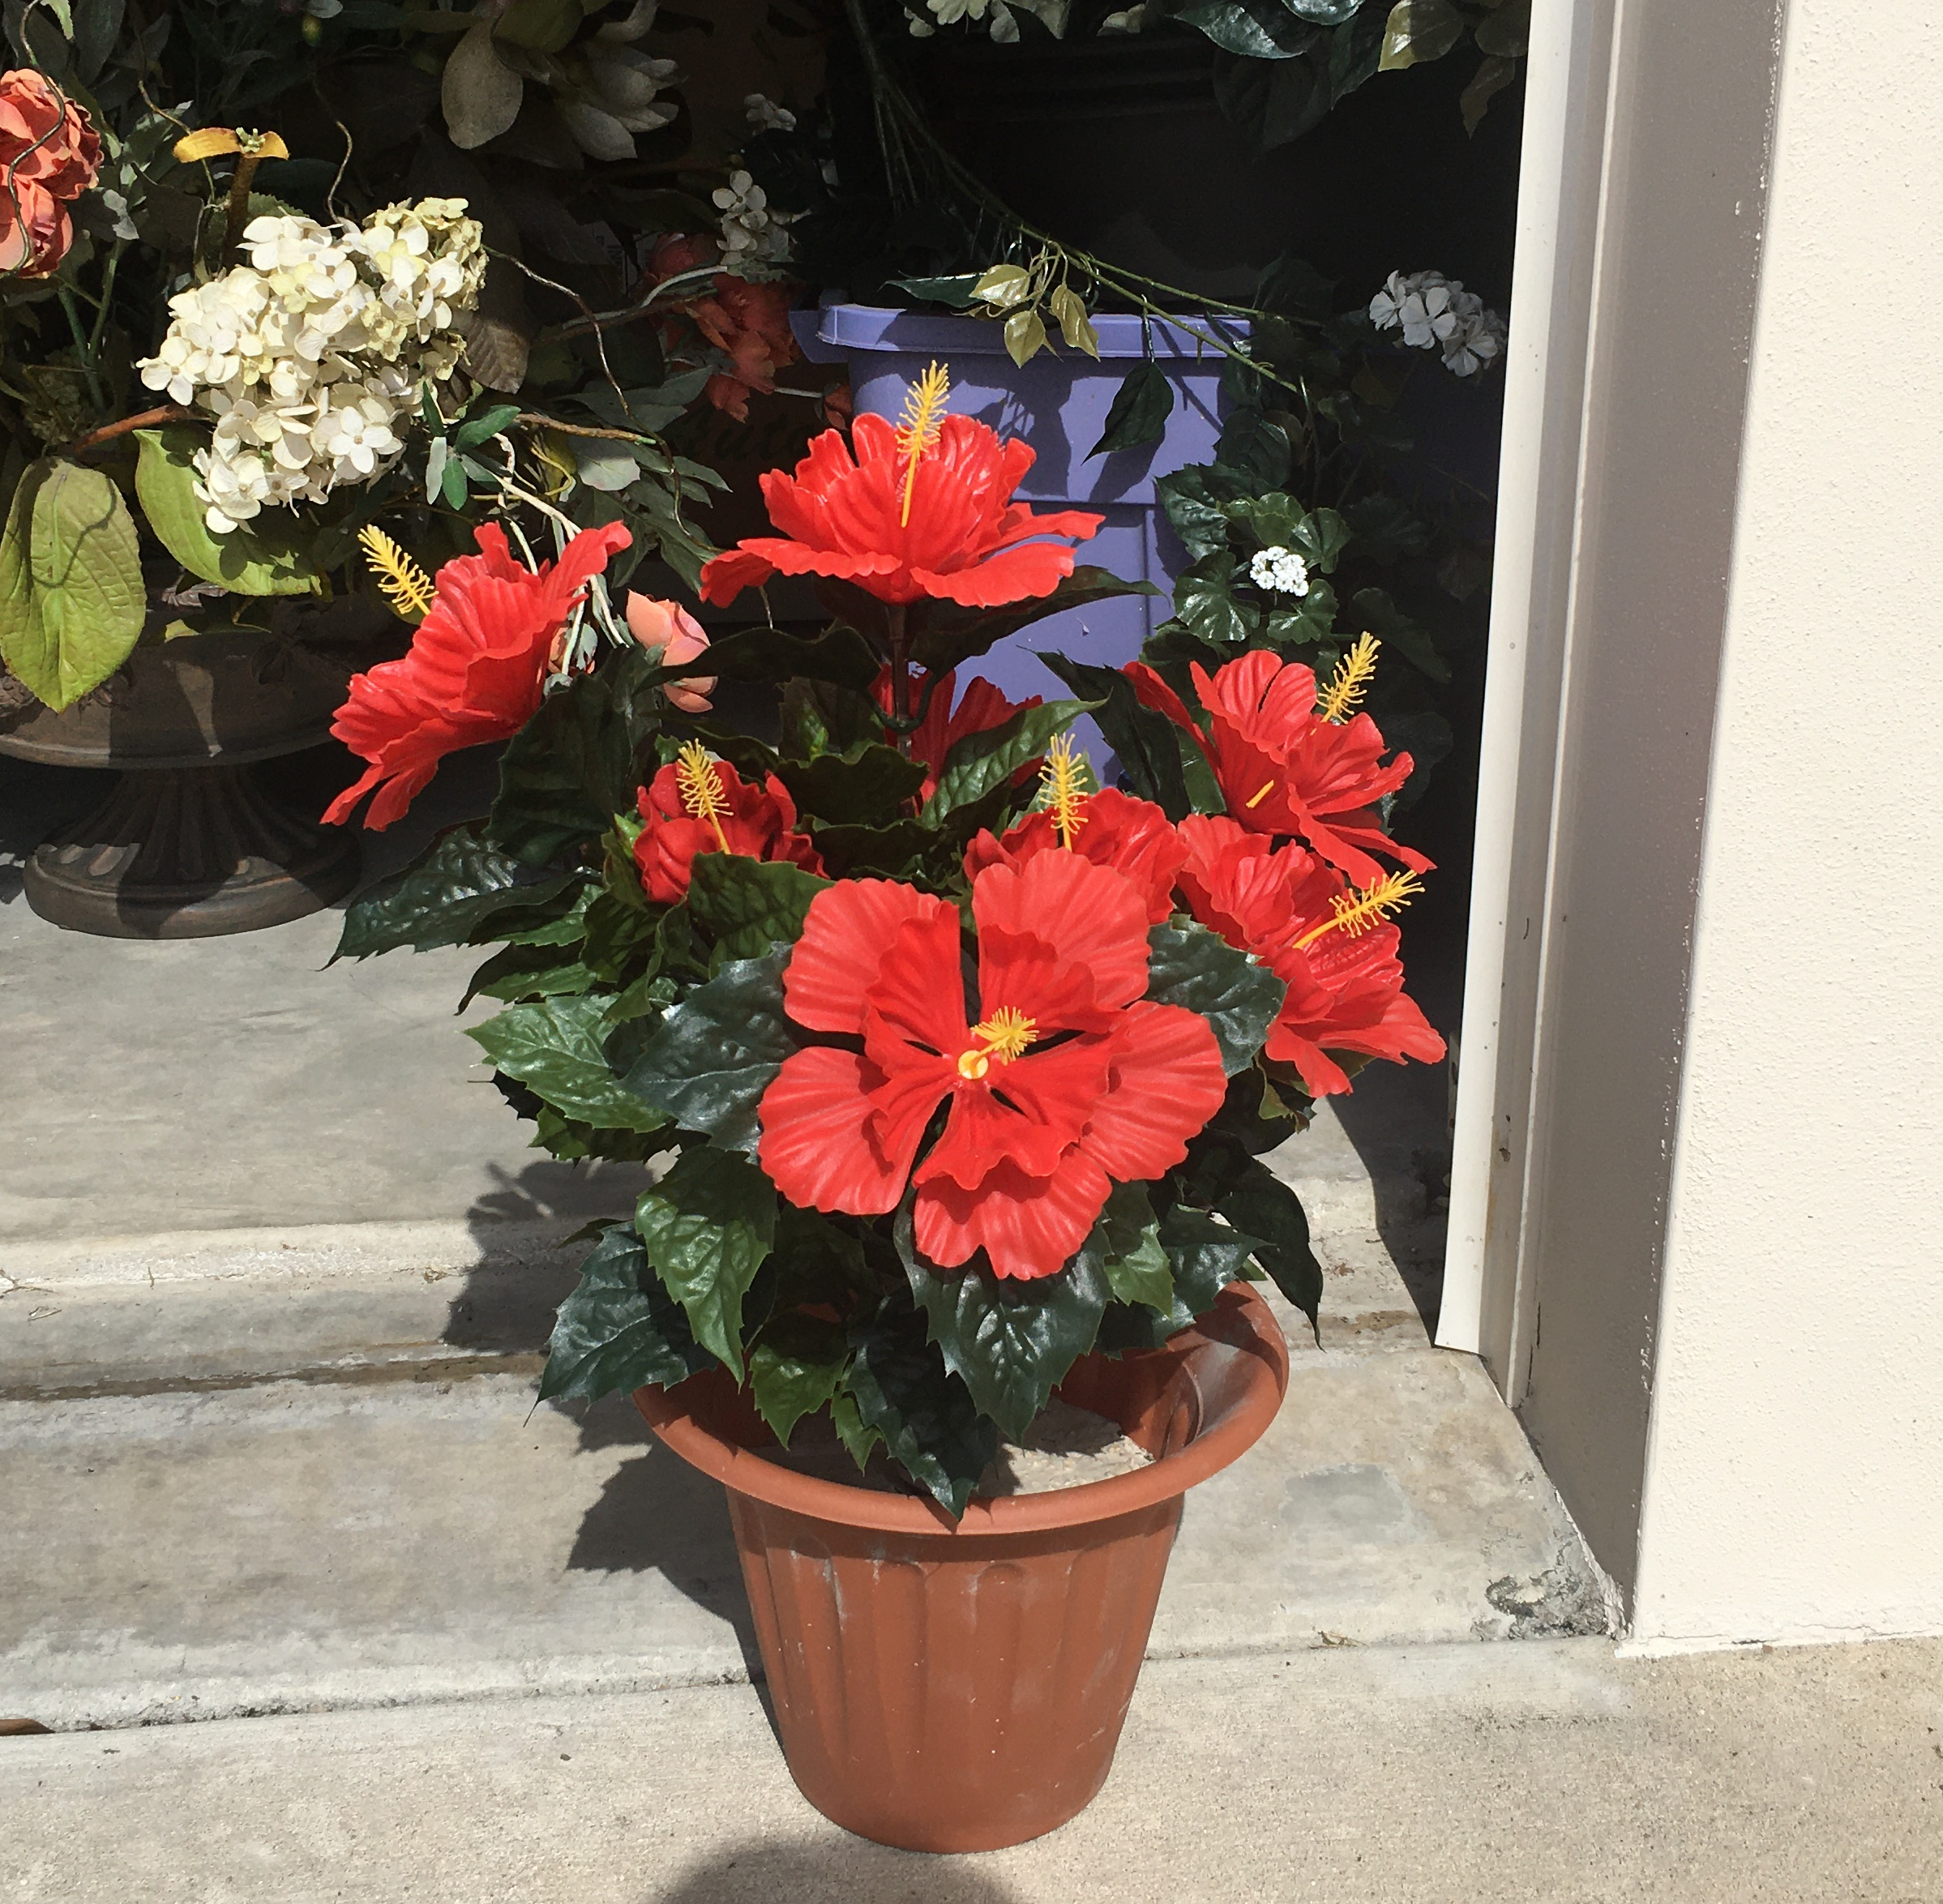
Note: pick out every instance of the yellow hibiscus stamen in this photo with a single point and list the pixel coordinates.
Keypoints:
(1004, 1035)
(1259, 794)
(1357, 912)
(700, 787)
(1350, 682)
(1062, 788)
(403, 583)
(918, 427)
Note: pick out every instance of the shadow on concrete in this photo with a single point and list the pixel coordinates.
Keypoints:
(852, 1872)
(1397, 1121)
(35, 800)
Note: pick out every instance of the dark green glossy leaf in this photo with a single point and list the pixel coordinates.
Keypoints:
(866, 784)
(1275, 519)
(1354, 49)
(1204, 1255)
(1493, 75)
(554, 1047)
(1256, 1117)
(577, 763)
(1273, 102)
(1135, 1263)
(1010, 1342)
(1258, 29)
(443, 898)
(794, 1369)
(707, 1225)
(1139, 413)
(529, 971)
(817, 1260)
(981, 762)
(1147, 744)
(746, 905)
(1319, 538)
(1189, 965)
(716, 1052)
(1386, 529)
(959, 292)
(888, 851)
(1258, 1204)
(1254, 450)
(947, 635)
(902, 1389)
(1325, 13)
(1373, 610)
(856, 1434)
(839, 655)
(1196, 501)
(1206, 601)
(620, 1329)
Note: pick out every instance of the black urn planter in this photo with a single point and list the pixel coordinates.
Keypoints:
(1118, 147)
(190, 843)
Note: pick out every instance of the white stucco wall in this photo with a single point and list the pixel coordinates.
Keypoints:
(1794, 1488)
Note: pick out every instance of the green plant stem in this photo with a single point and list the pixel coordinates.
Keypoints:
(896, 619)
(89, 369)
(108, 273)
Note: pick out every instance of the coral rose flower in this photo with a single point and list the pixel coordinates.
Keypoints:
(1111, 828)
(983, 707)
(698, 804)
(1284, 769)
(923, 509)
(475, 672)
(1331, 946)
(1070, 1080)
(49, 154)
(668, 632)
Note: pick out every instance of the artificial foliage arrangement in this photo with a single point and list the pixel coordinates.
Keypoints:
(957, 1064)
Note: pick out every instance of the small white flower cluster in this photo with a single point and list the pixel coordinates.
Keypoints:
(1436, 313)
(764, 115)
(306, 354)
(754, 235)
(1279, 569)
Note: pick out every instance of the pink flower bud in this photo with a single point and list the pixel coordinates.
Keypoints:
(668, 628)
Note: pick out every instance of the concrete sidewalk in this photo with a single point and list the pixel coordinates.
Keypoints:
(1546, 1773)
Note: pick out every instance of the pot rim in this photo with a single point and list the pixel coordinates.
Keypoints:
(1240, 1318)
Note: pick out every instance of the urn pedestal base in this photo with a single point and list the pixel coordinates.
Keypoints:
(189, 852)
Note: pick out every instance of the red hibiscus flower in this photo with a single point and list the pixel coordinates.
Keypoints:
(925, 509)
(1330, 946)
(48, 155)
(983, 708)
(1111, 828)
(1284, 767)
(697, 804)
(1070, 1081)
(475, 671)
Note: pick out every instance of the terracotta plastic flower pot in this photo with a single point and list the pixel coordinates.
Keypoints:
(959, 1688)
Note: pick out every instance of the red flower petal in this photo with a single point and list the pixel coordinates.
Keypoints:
(1167, 1082)
(849, 929)
(1094, 919)
(819, 1144)
(1027, 1226)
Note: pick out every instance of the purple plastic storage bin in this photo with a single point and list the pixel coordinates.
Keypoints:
(1058, 404)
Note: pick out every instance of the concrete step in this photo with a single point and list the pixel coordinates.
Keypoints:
(1550, 1773)
(398, 1520)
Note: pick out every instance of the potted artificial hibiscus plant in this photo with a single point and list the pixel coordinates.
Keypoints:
(957, 1066)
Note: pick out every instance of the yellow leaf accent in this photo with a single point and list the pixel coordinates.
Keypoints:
(212, 141)
(403, 583)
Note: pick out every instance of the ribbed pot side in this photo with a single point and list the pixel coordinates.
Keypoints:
(960, 1689)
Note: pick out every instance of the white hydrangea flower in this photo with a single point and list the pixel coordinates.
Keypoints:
(765, 115)
(1436, 313)
(307, 355)
(1279, 569)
